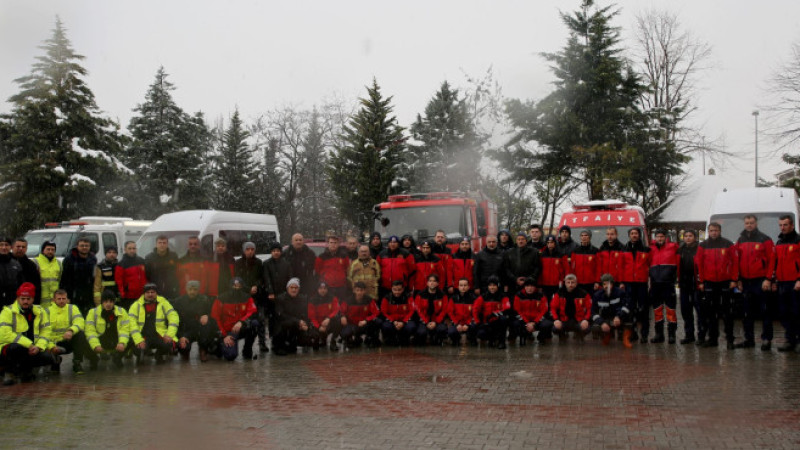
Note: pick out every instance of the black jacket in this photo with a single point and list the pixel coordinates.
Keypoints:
(163, 271)
(251, 271)
(10, 279)
(687, 272)
(302, 266)
(77, 278)
(30, 274)
(277, 272)
(522, 262)
(190, 310)
(289, 311)
(487, 263)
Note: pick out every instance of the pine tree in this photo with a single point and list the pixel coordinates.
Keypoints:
(166, 153)
(364, 170)
(59, 155)
(317, 212)
(447, 152)
(236, 178)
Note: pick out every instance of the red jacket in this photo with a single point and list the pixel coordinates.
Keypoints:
(486, 305)
(320, 308)
(716, 260)
(635, 263)
(397, 265)
(227, 314)
(397, 309)
(192, 268)
(611, 260)
(130, 277)
(461, 308)
(585, 264)
(356, 312)
(332, 268)
(787, 257)
(583, 305)
(461, 266)
(756, 255)
(664, 263)
(554, 267)
(426, 267)
(431, 307)
(532, 308)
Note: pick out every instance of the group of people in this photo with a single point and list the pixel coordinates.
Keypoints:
(353, 294)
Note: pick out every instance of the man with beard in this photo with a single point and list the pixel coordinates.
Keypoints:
(78, 275)
(154, 325)
(24, 331)
(610, 255)
(192, 266)
(366, 270)
(375, 244)
(565, 243)
(521, 262)
(585, 263)
(440, 249)
(426, 264)
(461, 265)
(291, 310)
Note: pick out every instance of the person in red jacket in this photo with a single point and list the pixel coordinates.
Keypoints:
(359, 317)
(635, 273)
(461, 266)
(718, 270)
(756, 253)
(610, 254)
(663, 275)
(426, 264)
(331, 268)
(431, 305)
(533, 311)
(396, 310)
(585, 263)
(440, 249)
(130, 276)
(192, 266)
(787, 276)
(461, 304)
(235, 314)
(396, 265)
(571, 309)
(323, 312)
(488, 314)
(554, 267)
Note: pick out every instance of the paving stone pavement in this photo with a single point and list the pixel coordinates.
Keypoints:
(571, 395)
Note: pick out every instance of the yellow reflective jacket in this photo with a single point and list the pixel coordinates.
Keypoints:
(13, 326)
(96, 326)
(62, 319)
(51, 275)
(166, 319)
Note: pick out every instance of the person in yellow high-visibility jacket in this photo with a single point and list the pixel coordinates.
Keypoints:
(66, 332)
(24, 342)
(49, 270)
(154, 325)
(108, 328)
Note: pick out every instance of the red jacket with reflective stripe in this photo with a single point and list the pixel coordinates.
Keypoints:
(397, 265)
(554, 267)
(716, 260)
(319, 309)
(356, 312)
(787, 257)
(664, 263)
(532, 308)
(332, 268)
(461, 265)
(583, 304)
(756, 255)
(585, 264)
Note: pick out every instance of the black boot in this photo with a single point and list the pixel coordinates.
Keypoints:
(672, 329)
(659, 331)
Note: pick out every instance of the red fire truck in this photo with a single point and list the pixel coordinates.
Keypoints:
(597, 215)
(457, 213)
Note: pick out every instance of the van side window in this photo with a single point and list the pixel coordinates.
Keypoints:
(236, 238)
(207, 244)
(110, 240)
(93, 240)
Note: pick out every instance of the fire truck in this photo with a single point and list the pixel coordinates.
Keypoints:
(597, 215)
(459, 214)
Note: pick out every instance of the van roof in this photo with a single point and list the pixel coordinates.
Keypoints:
(200, 218)
(755, 200)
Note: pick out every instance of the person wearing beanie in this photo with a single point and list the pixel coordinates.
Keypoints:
(408, 244)
(461, 265)
(154, 325)
(396, 265)
(375, 244)
(130, 276)
(24, 331)
(533, 314)
(108, 328)
(196, 323)
(192, 266)
(611, 312)
(50, 271)
(555, 266)
(250, 269)
(67, 332)
(488, 314)
(104, 274)
(585, 263)
(565, 243)
(236, 315)
(10, 274)
(292, 322)
(161, 268)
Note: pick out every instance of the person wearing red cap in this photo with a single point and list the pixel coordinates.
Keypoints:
(24, 337)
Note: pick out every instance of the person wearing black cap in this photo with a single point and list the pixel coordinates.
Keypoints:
(154, 325)
(104, 274)
(196, 323)
(461, 264)
(520, 263)
(235, 313)
(396, 265)
(10, 274)
(488, 314)
(533, 314)
(324, 312)
(108, 328)
(554, 267)
(585, 263)
(375, 244)
(565, 242)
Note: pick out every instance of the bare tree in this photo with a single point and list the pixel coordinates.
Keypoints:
(783, 109)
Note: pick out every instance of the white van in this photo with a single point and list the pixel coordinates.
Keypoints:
(102, 232)
(235, 227)
(767, 203)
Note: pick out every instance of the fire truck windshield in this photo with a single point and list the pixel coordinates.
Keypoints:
(422, 222)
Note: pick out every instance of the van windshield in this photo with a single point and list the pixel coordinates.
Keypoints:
(733, 224)
(422, 222)
(178, 241)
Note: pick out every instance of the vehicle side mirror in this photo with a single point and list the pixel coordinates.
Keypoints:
(482, 232)
(385, 222)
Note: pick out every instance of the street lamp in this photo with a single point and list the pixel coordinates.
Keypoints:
(755, 115)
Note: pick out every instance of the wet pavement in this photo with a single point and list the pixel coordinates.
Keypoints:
(571, 395)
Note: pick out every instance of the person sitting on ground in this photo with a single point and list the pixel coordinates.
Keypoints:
(488, 314)
(154, 325)
(24, 331)
(533, 310)
(108, 328)
(196, 325)
(571, 309)
(359, 317)
(611, 312)
(66, 326)
(235, 313)
(291, 310)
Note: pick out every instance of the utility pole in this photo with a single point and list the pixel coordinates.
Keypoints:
(755, 115)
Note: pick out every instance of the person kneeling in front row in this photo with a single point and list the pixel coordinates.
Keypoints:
(571, 309)
(235, 313)
(108, 328)
(154, 325)
(611, 312)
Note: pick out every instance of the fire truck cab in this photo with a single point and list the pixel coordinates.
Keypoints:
(597, 215)
(459, 214)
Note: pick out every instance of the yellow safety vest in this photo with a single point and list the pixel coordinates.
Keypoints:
(96, 326)
(13, 326)
(62, 319)
(51, 275)
(166, 319)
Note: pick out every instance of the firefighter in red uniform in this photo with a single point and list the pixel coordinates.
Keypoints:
(426, 264)
(359, 317)
(461, 304)
(396, 265)
(585, 263)
(440, 249)
(756, 253)
(488, 314)
(461, 266)
(787, 275)
(323, 312)
(396, 310)
(571, 308)
(718, 270)
(331, 268)
(554, 267)
(533, 310)
(431, 306)
(610, 254)
(636, 270)
(663, 275)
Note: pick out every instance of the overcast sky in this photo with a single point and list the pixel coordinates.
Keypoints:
(259, 55)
